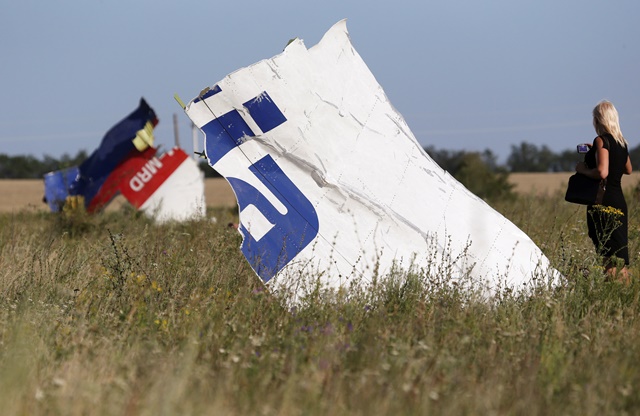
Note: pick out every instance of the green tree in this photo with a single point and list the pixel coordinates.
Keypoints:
(29, 167)
(449, 160)
(487, 183)
(477, 171)
(209, 172)
(527, 157)
(17, 167)
(566, 161)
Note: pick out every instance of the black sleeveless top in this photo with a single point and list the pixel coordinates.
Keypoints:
(610, 243)
(618, 156)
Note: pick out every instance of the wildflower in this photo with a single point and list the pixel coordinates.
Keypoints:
(609, 220)
(615, 212)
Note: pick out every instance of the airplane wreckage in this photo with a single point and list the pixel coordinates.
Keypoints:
(166, 186)
(334, 189)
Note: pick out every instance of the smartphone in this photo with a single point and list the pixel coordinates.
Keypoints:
(583, 148)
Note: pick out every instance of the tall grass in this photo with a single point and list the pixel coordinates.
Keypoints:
(113, 315)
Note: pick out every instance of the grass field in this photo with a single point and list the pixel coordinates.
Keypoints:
(113, 315)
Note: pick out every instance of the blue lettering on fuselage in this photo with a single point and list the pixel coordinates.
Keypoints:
(292, 231)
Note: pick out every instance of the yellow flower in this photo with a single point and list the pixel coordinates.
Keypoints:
(609, 210)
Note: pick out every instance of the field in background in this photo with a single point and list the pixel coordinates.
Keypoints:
(550, 183)
(27, 193)
(111, 315)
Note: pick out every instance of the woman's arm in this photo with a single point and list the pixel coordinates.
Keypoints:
(601, 171)
(627, 166)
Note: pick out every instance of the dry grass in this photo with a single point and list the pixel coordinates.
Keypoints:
(113, 315)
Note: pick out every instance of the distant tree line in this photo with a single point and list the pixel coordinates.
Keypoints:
(480, 172)
(525, 157)
(29, 167)
(482, 175)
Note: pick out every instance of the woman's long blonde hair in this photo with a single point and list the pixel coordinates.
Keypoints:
(605, 120)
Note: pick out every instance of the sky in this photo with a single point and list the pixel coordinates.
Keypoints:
(465, 74)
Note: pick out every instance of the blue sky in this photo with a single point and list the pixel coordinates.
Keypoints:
(466, 75)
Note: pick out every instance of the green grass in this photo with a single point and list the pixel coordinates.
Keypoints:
(113, 315)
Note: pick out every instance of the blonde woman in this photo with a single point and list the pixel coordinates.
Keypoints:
(608, 158)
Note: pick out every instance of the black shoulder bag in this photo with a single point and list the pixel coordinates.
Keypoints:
(584, 190)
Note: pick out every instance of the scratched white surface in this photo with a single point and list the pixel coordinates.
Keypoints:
(380, 199)
(180, 197)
